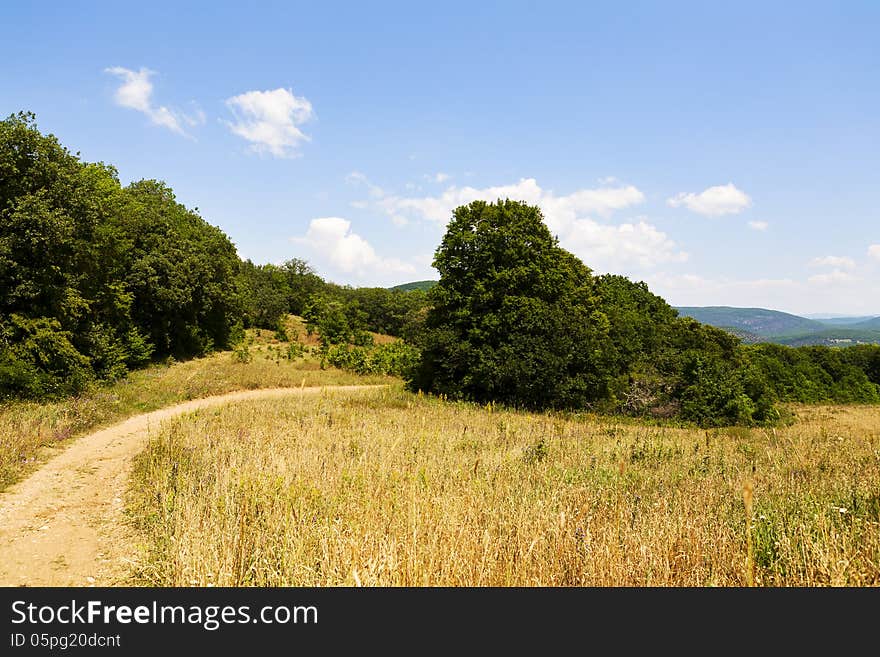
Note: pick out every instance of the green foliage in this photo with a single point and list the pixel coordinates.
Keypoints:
(712, 394)
(362, 339)
(182, 274)
(264, 294)
(242, 352)
(415, 285)
(518, 320)
(301, 282)
(333, 323)
(295, 350)
(514, 317)
(395, 358)
(38, 359)
(816, 374)
(281, 331)
(381, 310)
(95, 278)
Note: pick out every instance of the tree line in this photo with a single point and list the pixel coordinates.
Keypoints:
(517, 319)
(340, 313)
(97, 278)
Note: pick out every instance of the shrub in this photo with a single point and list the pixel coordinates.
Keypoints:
(395, 358)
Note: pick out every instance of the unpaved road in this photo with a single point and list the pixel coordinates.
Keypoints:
(64, 525)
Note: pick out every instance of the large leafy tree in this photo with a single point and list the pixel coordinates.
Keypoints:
(301, 282)
(63, 319)
(182, 272)
(95, 278)
(514, 317)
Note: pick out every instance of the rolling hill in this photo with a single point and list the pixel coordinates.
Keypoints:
(870, 325)
(840, 321)
(415, 285)
(762, 325)
(759, 321)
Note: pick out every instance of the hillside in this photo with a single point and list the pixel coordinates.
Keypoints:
(831, 337)
(415, 285)
(753, 325)
(759, 321)
(746, 336)
(869, 325)
(842, 321)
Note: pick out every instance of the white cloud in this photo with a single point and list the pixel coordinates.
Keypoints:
(603, 246)
(874, 251)
(714, 201)
(331, 239)
(557, 210)
(695, 282)
(696, 290)
(270, 120)
(438, 177)
(841, 262)
(759, 225)
(197, 118)
(358, 178)
(136, 92)
(833, 277)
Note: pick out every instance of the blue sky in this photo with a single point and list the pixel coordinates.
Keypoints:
(725, 153)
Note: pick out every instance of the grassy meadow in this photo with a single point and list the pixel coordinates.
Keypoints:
(384, 487)
(30, 431)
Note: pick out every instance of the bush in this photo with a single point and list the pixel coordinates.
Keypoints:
(281, 331)
(43, 360)
(295, 350)
(242, 352)
(395, 359)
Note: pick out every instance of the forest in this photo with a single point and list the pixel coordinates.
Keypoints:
(98, 279)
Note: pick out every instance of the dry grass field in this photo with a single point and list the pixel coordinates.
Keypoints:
(394, 489)
(30, 432)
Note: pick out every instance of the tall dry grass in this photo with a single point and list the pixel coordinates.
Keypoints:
(31, 431)
(393, 489)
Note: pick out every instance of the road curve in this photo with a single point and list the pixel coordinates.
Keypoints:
(64, 525)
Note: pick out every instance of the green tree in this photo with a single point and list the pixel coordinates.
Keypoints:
(514, 317)
(301, 283)
(265, 294)
(96, 278)
(181, 271)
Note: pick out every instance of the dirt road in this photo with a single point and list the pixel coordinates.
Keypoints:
(64, 525)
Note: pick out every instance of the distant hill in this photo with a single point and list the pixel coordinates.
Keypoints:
(746, 336)
(830, 337)
(415, 285)
(870, 324)
(753, 325)
(841, 321)
(759, 321)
